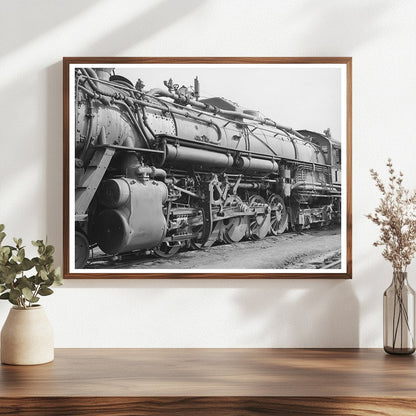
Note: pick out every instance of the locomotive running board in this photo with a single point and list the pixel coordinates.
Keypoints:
(92, 177)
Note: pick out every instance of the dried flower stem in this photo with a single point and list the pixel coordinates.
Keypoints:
(396, 217)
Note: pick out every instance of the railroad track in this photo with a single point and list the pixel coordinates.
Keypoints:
(311, 249)
(334, 265)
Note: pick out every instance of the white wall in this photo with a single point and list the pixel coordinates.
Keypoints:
(380, 35)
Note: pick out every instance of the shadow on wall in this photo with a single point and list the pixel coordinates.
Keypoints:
(45, 15)
(43, 90)
(346, 25)
(376, 274)
(301, 313)
(305, 313)
(54, 146)
(138, 29)
(288, 313)
(155, 19)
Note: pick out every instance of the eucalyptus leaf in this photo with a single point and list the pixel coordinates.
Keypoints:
(58, 276)
(49, 250)
(13, 301)
(16, 283)
(57, 272)
(45, 291)
(11, 248)
(9, 277)
(48, 282)
(43, 275)
(26, 264)
(3, 269)
(14, 268)
(24, 282)
(27, 293)
(48, 260)
(21, 255)
(17, 241)
(15, 294)
(4, 254)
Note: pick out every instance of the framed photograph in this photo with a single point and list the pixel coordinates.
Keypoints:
(207, 167)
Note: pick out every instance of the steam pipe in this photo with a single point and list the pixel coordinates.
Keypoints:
(160, 92)
(244, 185)
(312, 186)
(163, 93)
(143, 103)
(138, 123)
(139, 128)
(91, 73)
(151, 171)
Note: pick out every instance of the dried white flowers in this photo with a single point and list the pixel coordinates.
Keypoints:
(396, 216)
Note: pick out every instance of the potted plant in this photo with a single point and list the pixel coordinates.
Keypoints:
(396, 217)
(27, 336)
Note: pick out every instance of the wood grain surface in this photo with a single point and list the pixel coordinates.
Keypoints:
(208, 406)
(212, 381)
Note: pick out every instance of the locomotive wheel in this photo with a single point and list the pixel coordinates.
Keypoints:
(82, 249)
(166, 250)
(278, 215)
(215, 235)
(259, 223)
(235, 229)
(195, 244)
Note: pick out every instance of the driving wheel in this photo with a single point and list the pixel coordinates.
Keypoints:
(82, 249)
(260, 221)
(278, 215)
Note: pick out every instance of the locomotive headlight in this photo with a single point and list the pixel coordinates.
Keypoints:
(114, 193)
(133, 216)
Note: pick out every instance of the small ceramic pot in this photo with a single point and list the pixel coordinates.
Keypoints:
(27, 337)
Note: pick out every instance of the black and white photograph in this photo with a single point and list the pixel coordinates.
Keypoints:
(207, 168)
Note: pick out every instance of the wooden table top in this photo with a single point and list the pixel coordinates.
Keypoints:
(214, 372)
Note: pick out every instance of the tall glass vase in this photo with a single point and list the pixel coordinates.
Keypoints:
(399, 316)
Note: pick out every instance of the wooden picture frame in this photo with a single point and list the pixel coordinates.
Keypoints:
(162, 168)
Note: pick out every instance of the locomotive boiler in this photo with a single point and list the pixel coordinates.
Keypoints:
(163, 169)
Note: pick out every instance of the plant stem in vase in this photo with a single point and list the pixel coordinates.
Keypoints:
(399, 316)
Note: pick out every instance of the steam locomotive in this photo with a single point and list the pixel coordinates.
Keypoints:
(163, 169)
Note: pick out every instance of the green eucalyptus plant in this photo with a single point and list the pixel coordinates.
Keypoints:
(16, 285)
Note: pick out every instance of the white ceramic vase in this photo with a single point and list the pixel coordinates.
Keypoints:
(27, 337)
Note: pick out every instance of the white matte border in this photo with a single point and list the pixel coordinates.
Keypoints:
(343, 140)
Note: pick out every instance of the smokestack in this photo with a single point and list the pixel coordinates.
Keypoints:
(196, 88)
